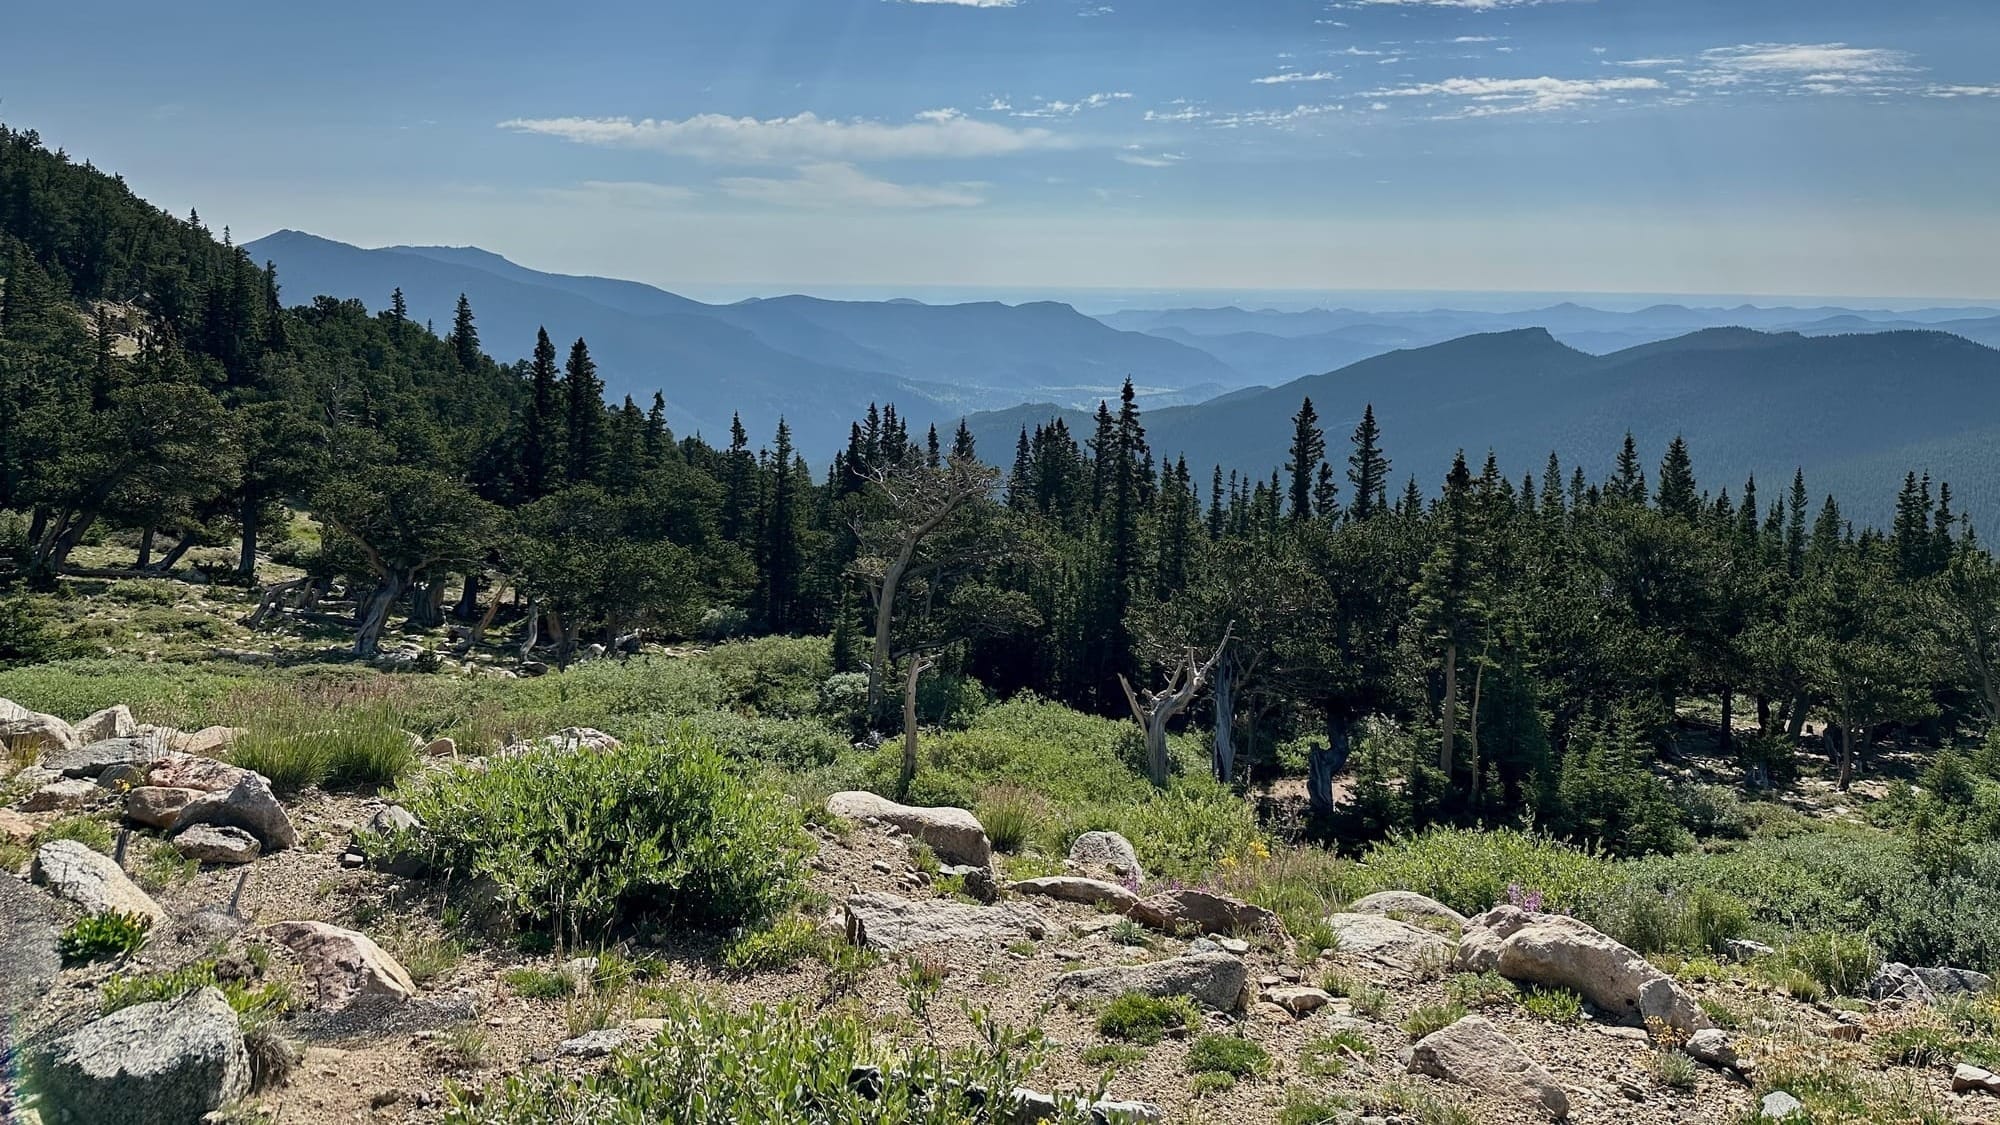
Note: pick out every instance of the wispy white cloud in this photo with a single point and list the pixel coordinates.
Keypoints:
(806, 136)
(1962, 91)
(1471, 5)
(1150, 160)
(1802, 68)
(838, 185)
(1275, 118)
(968, 3)
(1056, 107)
(1178, 110)
(1479, 38)
(1286, 76)
(1648, 64)
(635, 194)
(1488, 97)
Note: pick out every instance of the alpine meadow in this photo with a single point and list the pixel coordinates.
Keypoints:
(1340, 579)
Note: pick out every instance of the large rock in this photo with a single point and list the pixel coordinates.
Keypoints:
(91, 881)
(92, 759)
(23, 729)
(164, 1063)
(157, 806)
(1558, 951)
(891, 924)
(1713, 1046)
(192, 771)
(1472, 1052)
(62, 796)
(347, 969)
(206, 742)
(249, 805)
(28, 931)
(954, 834)
(1386, 939)
(1214, 979)
(1025, 1106)
(112, 722)
(1070, 888)
(1405, 906)
(1203, 912)
(208, 843)
(1897, 981)
(1107, 851)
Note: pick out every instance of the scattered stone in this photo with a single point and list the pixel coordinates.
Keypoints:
(91, 881)
(892, 924)
(28, 932)
(1779, 1106)
(1203, 912)
(353, 861)
(93, 759)
(208, 843)
(1713, 1046)
(978, 882)
(1969, 1079)
(346, 968)
(1070, 888)
(954, 834)
(121, 777)
(1025, 1106)
(594, 1044)
(112, 722)
(23, 729)
(191, 771)
(383, 1099)
(1406, 905)
(1743, 949)
(206, 742)
(1107, 851)
(1233, 945)
(569, 739)
(249, 805)
(1562, 952)
(1215, 979)
(160, 1063)
(1472, 1052)
(1897, 981)
(882, 867)
(1204, 945)
(15, 828)
(1298, 1000)
(1386, 939)
(72, 793)
(157, 806)
(446, 747)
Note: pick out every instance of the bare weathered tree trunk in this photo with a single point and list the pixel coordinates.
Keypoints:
(1797, 725)
(374, 613)
(918, 666)
(1472, 724)
(145, 558)
(187, 542)
(1324, 763)
(269, 600)
(477, 636)
(1447, 746)
(1846, 755)
(427, 608)
(531, 628)
(246, 561)
(1224, 757)
(1154, 710)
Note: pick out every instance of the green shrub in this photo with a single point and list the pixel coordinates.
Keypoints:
(107, 934)
(585, 840)
(1206, 1082)
(31, 633)
(251, 1001)
(795, 745)
(1481, 990)
(1111, 1055)
(1311, 1107)
(1369, 1001)
(1009, 813)
(1720, 1013)
(1557, 1005)
(1145, 1019)
(1328, 1056)
(1674, 1070)
(1227, 1054)
(539, 984)
(1653, 919)
(772, 676)
(1471, 870)
(781, 945)
(765, 1065)
(297, 746)
(1842, 964)
(1432, 1017)
(89, 831)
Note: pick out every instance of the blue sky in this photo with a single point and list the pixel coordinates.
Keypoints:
(1834, 147)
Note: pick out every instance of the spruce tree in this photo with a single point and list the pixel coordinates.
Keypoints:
(584, 393)
(1367, 469)
(542, 436)
(464, 337)
(1677, 487)
(1308, 448)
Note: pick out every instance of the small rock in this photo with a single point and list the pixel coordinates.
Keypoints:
(1845, 1032)
(157, 806)
(112, 722)
(1025, 1106)
(1214, 979)
(345, 967)
(91, 881)
(1406, 905)
(1712, 1045)
(1299, 1000)
(1203, 912)
(1472, 1052)
(93, 759)
(891, 924)
(1779, 1106)
(15, 828)
(1107, 851)
(1204, 945)
(59, 796)
(250, 805)
(207, 843)
(441, 748)
(1562, 952)
(954, 834)
(26, 730)
(1897, 981)
(1233, 945)
(157, 1062)
(978, 882)
(383, 1099)
(882, 867)
(1386, 939)
(206, 742)
(191, 771)
(1070, 888)
(1743, 949)
(353, 861)
(594, 1044)
(1969, 1079)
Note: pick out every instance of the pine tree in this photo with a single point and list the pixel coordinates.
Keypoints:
(739, 483)
(1628, 483)
(1795, 524)
(659, 439)
(780, 549)
(1677, 486)
(465, 337)
(1326, 494)
(542, 436)
(399, 311)
(962, 446)
(1308, 448)
(1215, 508)
(1367, 469)
(584, 395)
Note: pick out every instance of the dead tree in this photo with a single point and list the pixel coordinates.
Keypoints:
(919, 664)
(1153, 710)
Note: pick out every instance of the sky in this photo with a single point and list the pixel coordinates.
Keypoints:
(1825, 147)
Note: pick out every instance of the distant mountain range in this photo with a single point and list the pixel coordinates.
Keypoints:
(1856, 411)
(817, 363)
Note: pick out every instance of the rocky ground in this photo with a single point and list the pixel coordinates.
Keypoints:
(388, 1006)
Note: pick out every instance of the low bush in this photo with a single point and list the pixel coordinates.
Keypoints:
(1841, 964)
(1656, 919)
(1556, 1005)
(767, 1064)
(313, 742)
(1227, 1054)
(89, 831)
(781, 945)
(1009, 814)
(539, 984)
(1146, 1019)
(584, 841)
(1472, 870)
(252, 1001)
(1329, 1055)
(1481, 990)
(1432, 1017)
(107, 934)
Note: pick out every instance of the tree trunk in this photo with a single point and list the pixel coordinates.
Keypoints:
(1846, 755)
(246, 562)
(468, 597)
(38, 524)
(1159, 766)
(1472, 726)
(918, 665)
(1447, 745)
(427, 609)
(375, 612)
(531, 628)
(1224, 758)
(1323, 764)
(885, 613)
(477, 636)
(186, 543)
(1728, 719)
(1796, 727)
(270, 600)
(1763, 714)
(145, 558)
